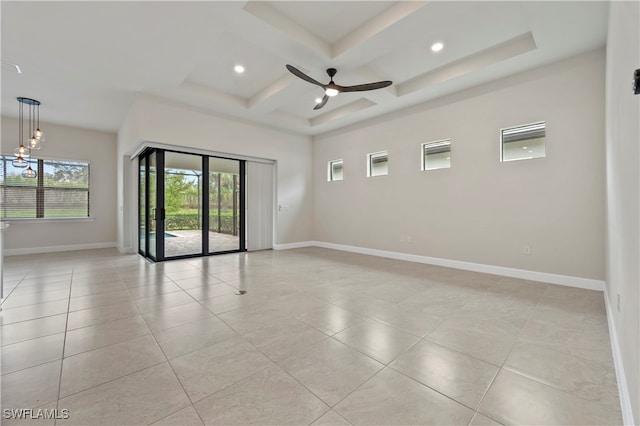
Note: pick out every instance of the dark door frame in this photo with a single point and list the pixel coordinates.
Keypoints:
(159, 213)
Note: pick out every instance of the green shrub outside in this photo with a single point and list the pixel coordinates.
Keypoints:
(191, 221)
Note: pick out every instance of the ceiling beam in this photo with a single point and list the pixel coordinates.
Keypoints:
(264, 12)
(369, 29)
(498, 53)
(271, 90)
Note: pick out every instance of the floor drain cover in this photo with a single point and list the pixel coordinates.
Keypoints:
(240, 292)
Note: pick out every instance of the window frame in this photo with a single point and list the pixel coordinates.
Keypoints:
(330, 176)
(423, 155)
(370, 158)
(543, 122)
(40, 205)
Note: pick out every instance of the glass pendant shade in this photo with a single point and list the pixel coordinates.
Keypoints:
(19, 163)
(34, 143)
(39, 134)
(21, 151)
(29, 173)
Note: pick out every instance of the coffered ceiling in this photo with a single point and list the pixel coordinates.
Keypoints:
(85, 61)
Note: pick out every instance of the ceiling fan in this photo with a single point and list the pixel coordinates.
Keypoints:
(331, 89)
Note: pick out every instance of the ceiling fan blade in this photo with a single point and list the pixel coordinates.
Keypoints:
(363, 87)
(322, 103)
(295, 71)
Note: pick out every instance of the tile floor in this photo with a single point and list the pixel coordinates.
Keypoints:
(321, 337)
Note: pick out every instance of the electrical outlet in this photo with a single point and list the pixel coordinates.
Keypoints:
(618, 302)
(526, 250)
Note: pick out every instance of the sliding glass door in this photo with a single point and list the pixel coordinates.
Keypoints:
(152, 203)
(183, 204)
(189, 205)
(224, 204)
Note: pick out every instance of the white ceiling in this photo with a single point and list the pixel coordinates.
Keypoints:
(85, 61)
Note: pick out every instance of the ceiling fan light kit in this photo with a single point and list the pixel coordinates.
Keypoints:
(332, 89)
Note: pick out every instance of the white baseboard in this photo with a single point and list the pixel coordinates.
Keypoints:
(623, 389)
(288, 246)
(544, 277)
(51, 249)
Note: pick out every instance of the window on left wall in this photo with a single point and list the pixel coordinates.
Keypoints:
(61, 189)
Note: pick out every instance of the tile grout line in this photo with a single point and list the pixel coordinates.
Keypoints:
(274, 364)
(64, 342)
(515, 342)
(527, 376)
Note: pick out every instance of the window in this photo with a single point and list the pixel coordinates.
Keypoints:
(436, 155)
(335, 170)
(522, 142)
(60, 190)
(377, 164)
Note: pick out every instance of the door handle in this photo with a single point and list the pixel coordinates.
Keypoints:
(154, 215)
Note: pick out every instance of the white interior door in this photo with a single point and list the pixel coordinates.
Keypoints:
(260, 188)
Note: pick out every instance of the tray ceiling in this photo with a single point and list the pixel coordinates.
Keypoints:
(88, 60)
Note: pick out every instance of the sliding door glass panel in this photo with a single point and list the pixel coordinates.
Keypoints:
(183, 182)
(224, 205)
(152, 164)
(142, 207)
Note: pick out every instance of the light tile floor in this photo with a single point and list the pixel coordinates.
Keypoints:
(321, 337)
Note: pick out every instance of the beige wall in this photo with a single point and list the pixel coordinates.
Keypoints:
(623, 191)
(154, 120)
(70, 143)
(480, 210)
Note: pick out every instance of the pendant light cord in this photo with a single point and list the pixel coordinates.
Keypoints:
(21, 121)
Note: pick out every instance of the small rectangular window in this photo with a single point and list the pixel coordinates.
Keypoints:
(61, 189)
(436, 155)
(377, 164)
(522, 142)
(335, 170)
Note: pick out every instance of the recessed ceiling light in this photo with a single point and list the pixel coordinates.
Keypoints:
(318, 100)
(239, 69)
(524, 147)
(437, 46)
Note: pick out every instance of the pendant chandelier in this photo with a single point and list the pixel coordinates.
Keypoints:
(36, 136)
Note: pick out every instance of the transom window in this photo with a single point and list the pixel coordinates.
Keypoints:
(522, 142)
(335, 170)
(378, 163)
(60, 190)
(436, 155)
